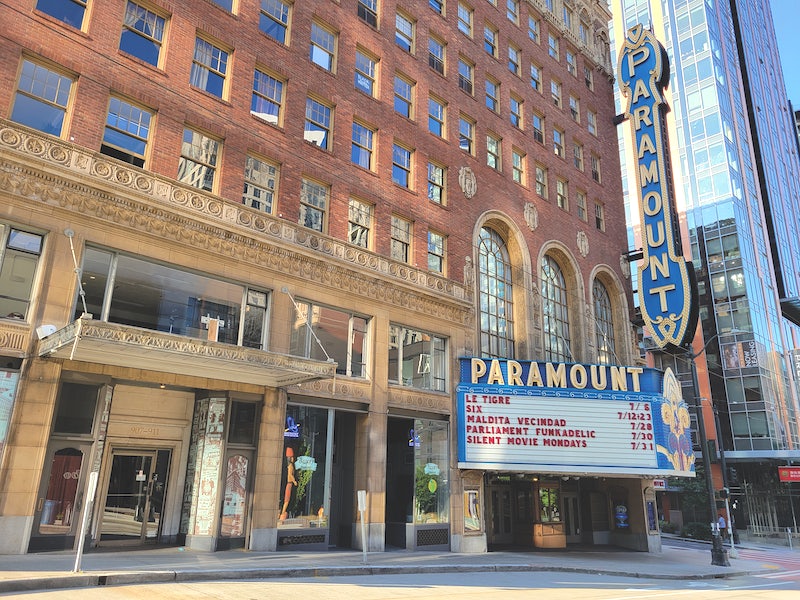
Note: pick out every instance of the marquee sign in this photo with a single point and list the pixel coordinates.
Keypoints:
(571, 418)
(666, 281)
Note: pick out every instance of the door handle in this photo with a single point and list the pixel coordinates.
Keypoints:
(39, 505)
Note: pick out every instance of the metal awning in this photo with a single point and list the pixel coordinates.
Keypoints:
(104, 343)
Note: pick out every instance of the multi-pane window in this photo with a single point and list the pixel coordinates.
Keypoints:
(541, 181)
(436, 54)
(490, 40)
(436, 183)
(359, 223)
(260, 184)
(596, 167)
(591, 121)
(403, 96)
(368, 11)
(555, 312)
(127, 131)
(577, 153)
(533, 29)
(599, 217)
(417, 359)
(70, 12)
(314, 200)
(142, 33)
(514, 60)
(536, 77)
(19, 257)
(583, 32)
(575, 109)
(42, 97)
(436, 116)
(466, 134)
(555, 92)
(401, 165)
(572, 63)
(604, 325)
(562, 194)
(515, 111)
(493, 152)
(580, 202)
(318, 123)
(209, 67)
(344, 334)
(538, 127)
(366, 72)
(518, 166)
(436, 252)
(558, 142)
(362, 145)
(465, 19)
(567, 16)
(274, 19)
(512, 10)
(198, 163)
(437, 5)
(174, 302)
(466, 71)
(323, 46)
(267, 101)
(495, 296)
(226, 4)
(552, 46)
(492, 95)
(404, 32)
(588, 77)
(400, 245)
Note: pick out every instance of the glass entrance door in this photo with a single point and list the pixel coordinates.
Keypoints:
(135, 496)
(572, 517)
(500, 515)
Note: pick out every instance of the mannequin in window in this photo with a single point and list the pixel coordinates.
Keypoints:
(290, 482)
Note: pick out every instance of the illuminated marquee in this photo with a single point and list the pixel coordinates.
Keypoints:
(666, 281)
(551, 417)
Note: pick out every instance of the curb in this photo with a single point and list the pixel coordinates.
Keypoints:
(134, 577)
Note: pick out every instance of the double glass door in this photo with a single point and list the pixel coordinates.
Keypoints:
(134, 500)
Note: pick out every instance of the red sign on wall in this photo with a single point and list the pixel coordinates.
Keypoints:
(789, 473)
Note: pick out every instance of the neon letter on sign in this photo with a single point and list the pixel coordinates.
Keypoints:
(666, 284)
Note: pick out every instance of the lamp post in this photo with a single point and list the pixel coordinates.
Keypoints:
(719, 556)
(733, 552)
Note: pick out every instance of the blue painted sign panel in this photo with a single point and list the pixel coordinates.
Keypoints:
(667, 290)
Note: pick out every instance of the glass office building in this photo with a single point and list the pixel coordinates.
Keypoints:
(736, 180)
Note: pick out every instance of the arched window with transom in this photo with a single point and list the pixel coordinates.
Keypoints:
(495, 296)
(555, 313)
(603, 324)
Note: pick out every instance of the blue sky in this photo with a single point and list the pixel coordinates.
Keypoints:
(786, 16)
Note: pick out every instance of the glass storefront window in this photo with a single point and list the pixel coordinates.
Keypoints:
(58, 510)
(233, 508)
(303, 500)
(431, 480)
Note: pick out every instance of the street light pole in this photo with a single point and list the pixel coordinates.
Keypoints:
(719, 556)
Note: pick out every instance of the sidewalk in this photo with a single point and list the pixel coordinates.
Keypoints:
(53, 570)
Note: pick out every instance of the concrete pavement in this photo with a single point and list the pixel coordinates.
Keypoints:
(53, 570)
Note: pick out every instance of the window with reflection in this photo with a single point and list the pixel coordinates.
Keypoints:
(320, 332)
(431, 481)
(19, 258)
(417, 359)
(133, 291)
(555, 312)
(495, 295)
(604, 324)
(58, 508)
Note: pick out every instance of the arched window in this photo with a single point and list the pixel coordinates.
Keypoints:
(603, 324)
(495, 296)
(555, 312)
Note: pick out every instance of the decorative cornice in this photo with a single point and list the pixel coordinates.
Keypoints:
(432, 402)
(14, 338)
(54, 172)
